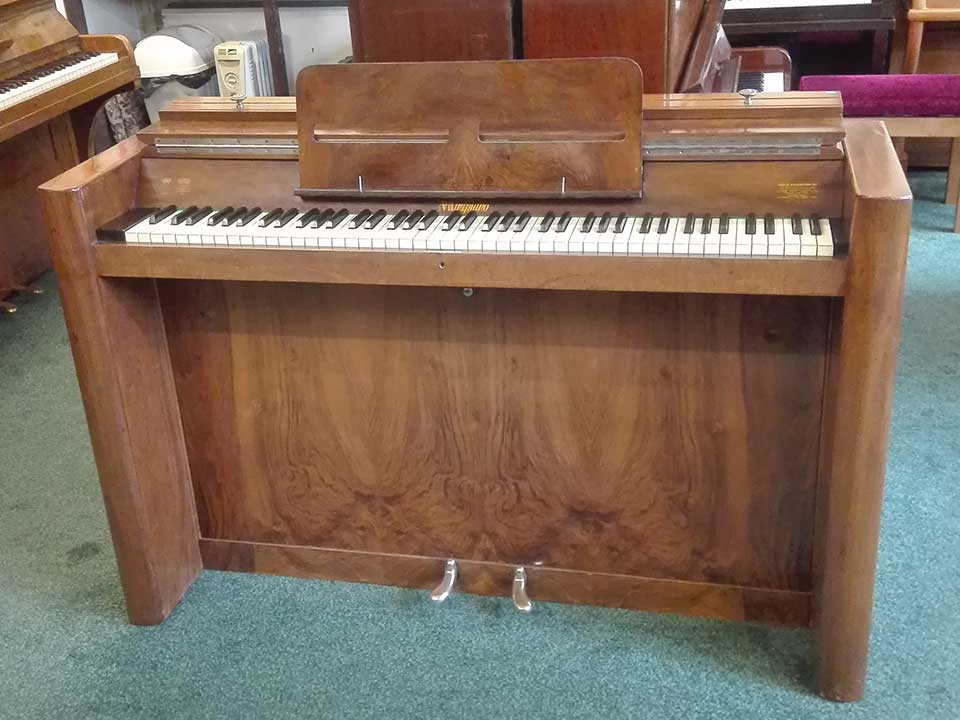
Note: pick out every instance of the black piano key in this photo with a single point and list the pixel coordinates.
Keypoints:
(375, 219)
(563, 222)
(451, 220)
(162, 214)
(234, 216)
(750, 80)
(251, 215)
(468, 220)
(522, 220)
(115, 230)
(663, 223)
(322, 218)
(285, 219)
(587, 224)
(506, 221)
(621, 224)
(724, 223)
(706, 225)
(413, 219)
(491, 221)
(338, 217)
(182, 216)
(308, 217)
(199, 215)
(815, 225)
(219, 215)
(546, 222)
(796, 224)
(689, 223)
(604, 222)
(429, 219)
(646, 223)
(750, 226)
(397, 220)
(769, 225)
(268, 219)
(360, 218)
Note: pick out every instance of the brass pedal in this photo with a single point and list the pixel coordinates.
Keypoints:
(442, 591)
(7, 308)
(520, 598)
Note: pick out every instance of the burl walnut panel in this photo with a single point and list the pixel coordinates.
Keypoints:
(656, 435)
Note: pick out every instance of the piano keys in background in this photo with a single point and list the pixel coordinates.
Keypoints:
(782, 22)
(52, 82)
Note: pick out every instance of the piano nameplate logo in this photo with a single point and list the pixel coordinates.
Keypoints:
(797, 191)
(464, 207)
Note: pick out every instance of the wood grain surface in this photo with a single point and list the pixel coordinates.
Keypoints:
(119, 348)
(431, 30)
(565, 126)
(656, 435)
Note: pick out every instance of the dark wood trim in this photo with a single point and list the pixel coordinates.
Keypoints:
(278, 63)
(76, 15)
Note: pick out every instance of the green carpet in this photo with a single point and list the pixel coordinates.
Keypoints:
(258, 647)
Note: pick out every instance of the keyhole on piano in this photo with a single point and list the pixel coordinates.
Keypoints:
(442, 265)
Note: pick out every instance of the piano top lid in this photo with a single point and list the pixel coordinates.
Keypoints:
(33, 32)
(526, 129)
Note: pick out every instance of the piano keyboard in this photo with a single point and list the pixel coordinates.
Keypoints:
(553, 233)
(761, 81)
(18, 89)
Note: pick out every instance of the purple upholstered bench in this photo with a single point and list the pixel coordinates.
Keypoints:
(909, 105)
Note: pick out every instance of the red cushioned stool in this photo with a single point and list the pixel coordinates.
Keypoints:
(909, 105)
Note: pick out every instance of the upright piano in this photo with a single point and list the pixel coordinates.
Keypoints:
(779, 17)
(532, 334)
(52, 82)
(680, 45)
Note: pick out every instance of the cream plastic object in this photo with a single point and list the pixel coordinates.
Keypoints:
(177, 50)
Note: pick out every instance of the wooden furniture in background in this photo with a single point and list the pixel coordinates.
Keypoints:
(43, 135)
(679, 45)
(920, 13)
(692, 435)
(903, 128)
(424, 30)
(753, 18)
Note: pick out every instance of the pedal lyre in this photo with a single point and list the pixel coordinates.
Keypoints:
(520, 598)
(442, 591)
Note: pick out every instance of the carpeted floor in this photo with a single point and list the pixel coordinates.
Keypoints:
(257, 647)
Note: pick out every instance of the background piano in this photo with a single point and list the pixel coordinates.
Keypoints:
(774, 21)
(680, 45)
(52, 82)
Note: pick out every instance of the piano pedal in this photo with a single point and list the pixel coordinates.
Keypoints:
(27, 289)
(520, 598)
(442, 591)
(7, 308)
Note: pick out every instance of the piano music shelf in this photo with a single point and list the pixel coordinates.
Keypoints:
(824, 277)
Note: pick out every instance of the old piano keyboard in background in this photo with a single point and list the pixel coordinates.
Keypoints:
(52, 75)
(53, 81)
(549, 233)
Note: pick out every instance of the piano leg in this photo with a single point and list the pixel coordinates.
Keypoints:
(130, 400)
(865, 334)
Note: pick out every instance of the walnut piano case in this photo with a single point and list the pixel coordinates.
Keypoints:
(656, 430)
